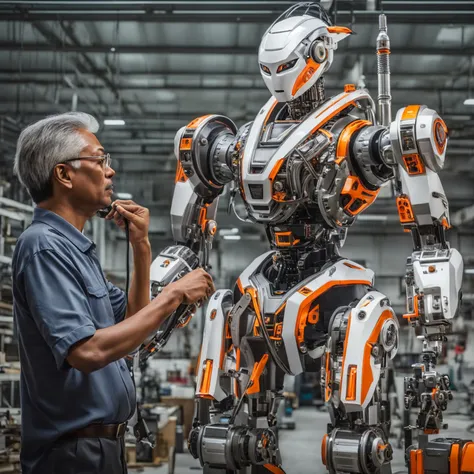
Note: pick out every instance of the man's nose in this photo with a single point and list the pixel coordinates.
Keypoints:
(109, 172)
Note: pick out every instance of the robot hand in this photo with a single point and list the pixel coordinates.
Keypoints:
(171, 265)
(433, 281)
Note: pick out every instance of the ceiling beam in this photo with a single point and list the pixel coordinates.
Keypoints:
(225, 50)
(56, 41)
(193, 13)
(334, 89)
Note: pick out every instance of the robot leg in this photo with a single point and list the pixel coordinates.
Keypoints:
(361, 337)
(226, 438)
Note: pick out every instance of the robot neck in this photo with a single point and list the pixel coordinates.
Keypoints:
(307, 102)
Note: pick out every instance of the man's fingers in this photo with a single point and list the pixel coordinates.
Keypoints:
(121, 202)
(128, 215)
(130, 207)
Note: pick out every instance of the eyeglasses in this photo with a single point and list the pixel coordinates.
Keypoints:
(105, 160)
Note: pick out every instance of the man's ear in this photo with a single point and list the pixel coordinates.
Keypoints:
(62, 175)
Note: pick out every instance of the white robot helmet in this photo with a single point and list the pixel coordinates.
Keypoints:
(298, 49)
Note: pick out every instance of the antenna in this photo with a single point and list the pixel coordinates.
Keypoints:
(383, 73)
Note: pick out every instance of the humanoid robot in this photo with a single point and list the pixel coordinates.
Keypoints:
(305, 168)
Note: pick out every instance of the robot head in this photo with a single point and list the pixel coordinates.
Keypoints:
(297, 50)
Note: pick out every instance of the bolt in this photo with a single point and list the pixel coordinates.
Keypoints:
(362, 315)
(375, 351)
(203, 141)
(278, 186)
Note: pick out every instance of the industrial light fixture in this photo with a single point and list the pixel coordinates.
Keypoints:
(114, 122)
(372, 217)
(469, 102)
(124, 196)
(232, 231)
(232, 237)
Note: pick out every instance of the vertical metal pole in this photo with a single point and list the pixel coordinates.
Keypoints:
(383, 73)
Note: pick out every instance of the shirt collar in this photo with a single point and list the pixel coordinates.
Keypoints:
(63, 227)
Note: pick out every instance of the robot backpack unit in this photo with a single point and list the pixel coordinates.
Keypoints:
(306, 168)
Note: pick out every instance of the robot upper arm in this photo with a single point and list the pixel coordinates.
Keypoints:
(202, 149)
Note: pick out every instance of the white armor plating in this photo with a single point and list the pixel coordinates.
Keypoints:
(338, 274)
(369, 323)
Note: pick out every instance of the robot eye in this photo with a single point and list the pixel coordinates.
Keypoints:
(265, 69)
(286, 66)
(318, 52)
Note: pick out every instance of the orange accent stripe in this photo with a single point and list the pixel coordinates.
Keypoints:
(197, 121)
(328, 377)
(237, 368)
(339, 29)
(419, 462)
(280, 309)
(327, 133)
(323, 449)
(454, 459)
(180, 175)
(383, 51)
(331, 104)
(352, 383)
(440, 146)
(467, 465)
(306, 74)
(276, 169)
(274, 469)
(367, 375)
(257, 371)
(412, 461)
(346, 339)
(239, 285)
(410, 112)
(270, 112)
(342, 150)
(351, 265)
(306, 303)
(206, 380)
(416, 309)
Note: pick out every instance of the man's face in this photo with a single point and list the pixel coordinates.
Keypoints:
(92, 183)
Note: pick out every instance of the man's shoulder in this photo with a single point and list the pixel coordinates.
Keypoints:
(37, 238)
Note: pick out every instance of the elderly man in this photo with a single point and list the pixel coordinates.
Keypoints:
(74, 326)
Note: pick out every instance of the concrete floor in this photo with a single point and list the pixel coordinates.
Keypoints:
(301, 447)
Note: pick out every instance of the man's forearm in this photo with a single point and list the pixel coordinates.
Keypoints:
(139, 295)
(115, 342)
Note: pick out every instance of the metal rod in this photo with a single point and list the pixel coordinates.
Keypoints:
(383, 72)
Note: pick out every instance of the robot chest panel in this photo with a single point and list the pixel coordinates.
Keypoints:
(282, 161)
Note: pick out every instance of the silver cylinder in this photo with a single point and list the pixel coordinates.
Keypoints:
(383, 73)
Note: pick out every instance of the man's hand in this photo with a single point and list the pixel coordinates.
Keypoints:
(193, 287)
(138, 218)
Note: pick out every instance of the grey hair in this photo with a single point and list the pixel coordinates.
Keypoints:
(46, 143)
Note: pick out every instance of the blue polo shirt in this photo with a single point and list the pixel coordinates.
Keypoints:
(61, 296)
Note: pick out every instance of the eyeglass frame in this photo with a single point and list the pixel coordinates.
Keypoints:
(106, 159)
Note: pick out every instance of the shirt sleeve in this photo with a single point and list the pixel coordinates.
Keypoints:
(118, 301)
(58, 303)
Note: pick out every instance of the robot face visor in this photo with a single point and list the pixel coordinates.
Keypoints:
(292, 75)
